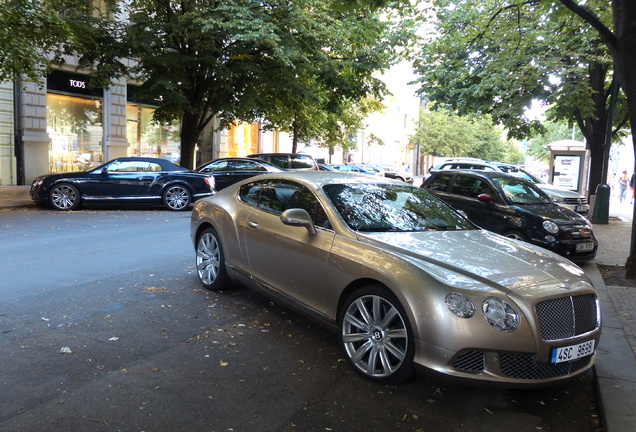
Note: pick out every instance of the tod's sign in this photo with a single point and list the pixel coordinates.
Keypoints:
(69, 82)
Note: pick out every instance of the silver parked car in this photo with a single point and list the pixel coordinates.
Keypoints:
(406, 281)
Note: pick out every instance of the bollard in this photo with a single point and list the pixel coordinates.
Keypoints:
(600, 212)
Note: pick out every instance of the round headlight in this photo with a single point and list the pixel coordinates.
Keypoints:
(460, 305)
(500, 315)
(550, 227)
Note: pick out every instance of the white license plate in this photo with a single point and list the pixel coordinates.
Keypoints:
(584, 247)
(572, 352)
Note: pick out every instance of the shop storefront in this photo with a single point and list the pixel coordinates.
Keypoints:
(74, 122)
(7, 150)
(150, 139)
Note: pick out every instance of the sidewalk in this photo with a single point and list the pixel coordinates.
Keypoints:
(616, 361)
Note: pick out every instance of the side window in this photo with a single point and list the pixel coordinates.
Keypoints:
(154, 167)
(471, 186)
(278, 196)
(248, 166)
(303, 198)
(439, 184)
(128, 166)
(249, 193)
(220, 166)
(268, 196)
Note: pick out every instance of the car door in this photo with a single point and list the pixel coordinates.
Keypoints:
(288, 260)
(122, 179)
(462, 193)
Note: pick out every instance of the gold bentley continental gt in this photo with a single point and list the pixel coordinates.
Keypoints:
(406, 281)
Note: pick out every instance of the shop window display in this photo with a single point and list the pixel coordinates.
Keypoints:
(74, 125)
(150, 139)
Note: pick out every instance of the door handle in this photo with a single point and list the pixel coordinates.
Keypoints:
(252, 225)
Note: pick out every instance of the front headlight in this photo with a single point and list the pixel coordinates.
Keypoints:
(500, 315)
(550, 227)
(460, 305)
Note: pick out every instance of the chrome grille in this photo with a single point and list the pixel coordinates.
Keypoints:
(524, 366)
(470, 360)
(567, 317)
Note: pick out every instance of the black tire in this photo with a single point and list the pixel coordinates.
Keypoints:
(64, 196)
(517, 235)
(376, 336)
(177, 197)
(210, 261)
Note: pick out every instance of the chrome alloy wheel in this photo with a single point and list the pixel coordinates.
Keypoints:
(208, 259)
(65, 197)
(375, 336)
(177, 198)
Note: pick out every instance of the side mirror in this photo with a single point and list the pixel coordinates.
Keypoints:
(299, 218)
(484, 197)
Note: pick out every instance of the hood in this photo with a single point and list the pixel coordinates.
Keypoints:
(559, 214)
(559, 192)
(476, 257)
(62, 175)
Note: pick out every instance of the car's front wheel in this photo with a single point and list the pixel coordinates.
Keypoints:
(211, 261)
(64, 196)
(177, 197)
(516, 235)
(376, 336)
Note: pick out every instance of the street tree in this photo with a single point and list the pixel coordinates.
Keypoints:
(38, 34)
(442, 133)
(497, 57)
(296, 65)
(621, 42)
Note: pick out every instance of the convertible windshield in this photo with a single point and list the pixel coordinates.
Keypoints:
(519, 191)
(390, 207)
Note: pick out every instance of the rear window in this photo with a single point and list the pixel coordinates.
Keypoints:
(302, 162)
(288, 160)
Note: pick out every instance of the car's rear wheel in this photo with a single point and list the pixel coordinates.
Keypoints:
(376, 336)
(177, 197)
(211, 261)
(64, 196)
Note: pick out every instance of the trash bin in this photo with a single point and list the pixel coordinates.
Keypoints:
(600, 212)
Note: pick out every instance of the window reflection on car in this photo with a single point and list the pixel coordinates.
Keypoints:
(389, 207)
(522, 192)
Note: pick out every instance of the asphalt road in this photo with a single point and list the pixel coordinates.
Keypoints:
(104, 327)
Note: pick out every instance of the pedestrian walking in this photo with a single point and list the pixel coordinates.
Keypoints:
(623, 182)
(632, 184)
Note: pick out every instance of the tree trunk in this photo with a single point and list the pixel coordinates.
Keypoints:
(189, 138)
(295, 136)
(625, 63)
(595, 129)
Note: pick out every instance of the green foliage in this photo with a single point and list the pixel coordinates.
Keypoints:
(36, 34)
(495, 57)
(300, 66)
(554, 131)
(442, 133)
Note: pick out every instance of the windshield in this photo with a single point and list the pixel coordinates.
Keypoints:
(388, 207)
(520, 191)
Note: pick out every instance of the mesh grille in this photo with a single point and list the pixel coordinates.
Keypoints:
(471, 361)
(524, 366)
(567, 317)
